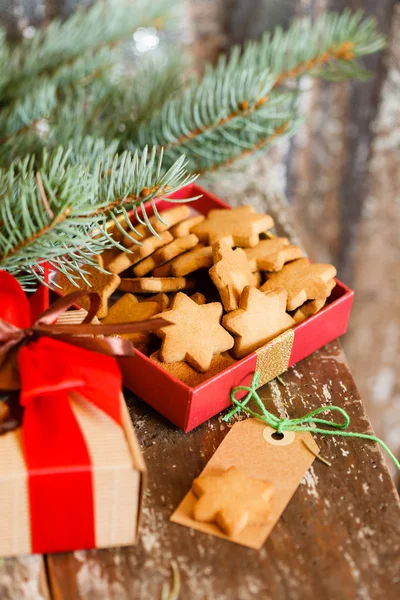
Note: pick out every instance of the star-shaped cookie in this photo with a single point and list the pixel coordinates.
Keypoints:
(239, 226)
(271, 255)
(196, 334)
(230, 274)
(303, 281)
(232, 500)
(260, 318)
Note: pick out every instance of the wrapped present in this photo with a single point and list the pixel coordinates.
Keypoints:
(71, 468)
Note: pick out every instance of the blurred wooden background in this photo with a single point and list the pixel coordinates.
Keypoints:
(341, 172)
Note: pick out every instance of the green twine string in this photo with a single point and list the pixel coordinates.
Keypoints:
(299, 424)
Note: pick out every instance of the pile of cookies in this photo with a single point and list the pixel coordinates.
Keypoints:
(224, 282)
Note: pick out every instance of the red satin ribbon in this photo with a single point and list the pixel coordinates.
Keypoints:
(58, 462)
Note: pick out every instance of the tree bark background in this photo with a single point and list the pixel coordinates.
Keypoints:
(339, 172)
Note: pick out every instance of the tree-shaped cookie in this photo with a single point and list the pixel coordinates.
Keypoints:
(196, 334)
(240, 226)
(230, 274)
(271, 255)
(260, 318)
(303, 281)
(232, 500)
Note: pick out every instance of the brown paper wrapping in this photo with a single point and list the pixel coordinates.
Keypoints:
(118, 481)
(273, 358)
(282, 463)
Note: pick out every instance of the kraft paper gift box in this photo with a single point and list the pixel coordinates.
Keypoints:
(118, 475)
(72, 474)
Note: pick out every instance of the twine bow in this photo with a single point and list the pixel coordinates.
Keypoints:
(309, 422)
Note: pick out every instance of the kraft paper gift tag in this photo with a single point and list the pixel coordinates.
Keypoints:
(250, 447)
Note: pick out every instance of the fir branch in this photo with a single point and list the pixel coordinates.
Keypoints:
(107, 22)
(238, 155)
(26, 111)
(239, 92)
(211, 116)
(309, 46)
(58, 213)
(4, 57)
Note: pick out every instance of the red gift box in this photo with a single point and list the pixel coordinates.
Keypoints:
(188, 407)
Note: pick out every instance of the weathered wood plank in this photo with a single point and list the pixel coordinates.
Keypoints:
(23, 579)
(339, 537)
(373, 340)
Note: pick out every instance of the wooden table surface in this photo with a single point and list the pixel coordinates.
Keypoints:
(338, 538)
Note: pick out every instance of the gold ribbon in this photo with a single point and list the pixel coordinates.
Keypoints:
(273, 358)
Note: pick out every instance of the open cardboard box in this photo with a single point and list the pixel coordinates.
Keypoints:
(188, 407)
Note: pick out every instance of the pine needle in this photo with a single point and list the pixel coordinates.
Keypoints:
(168, 592)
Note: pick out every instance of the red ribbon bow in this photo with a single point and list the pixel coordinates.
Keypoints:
(58, 462)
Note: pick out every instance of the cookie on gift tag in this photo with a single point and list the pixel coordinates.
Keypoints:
(128, 309)
(181, 370)
(259, 318)
(232, 500)
(230, 274)
(272, 254)
(167, 252)
(97, 281)
(303, 281)
(240, 226)
(185, 227)
(123, 260)
(196, 334)
(153, 285)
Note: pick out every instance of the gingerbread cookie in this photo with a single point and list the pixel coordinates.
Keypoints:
(260, 318)
(181, 370)
(153, 285)
(303, 281)
(232, 500)
(121, 231)
(75, 317)
(125, 235)
(167, 252)
(170, 217)
(309, 308)
(239, 226)
(164, 270)
(271, 255)
(189, 262)
(230, 274)
(124, 260)
(161, 299)
(194, 260)
(199, 298)
(102, 283)
(196, 334)
(185, 227)
(128, 309)
(109, 255)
